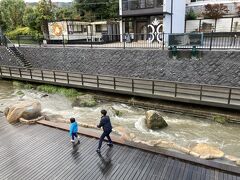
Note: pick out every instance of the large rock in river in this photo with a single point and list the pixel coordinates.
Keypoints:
(154, 120)
(207, 152)
(23, 109)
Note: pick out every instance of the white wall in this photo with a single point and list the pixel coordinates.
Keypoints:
(178, 18)
(222, 25)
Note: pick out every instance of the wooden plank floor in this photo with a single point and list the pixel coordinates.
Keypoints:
(40, 152)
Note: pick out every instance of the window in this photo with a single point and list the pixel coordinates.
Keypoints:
(149, 3)
(141, 4)
(125, 5)
(98, 28)
(159, 3)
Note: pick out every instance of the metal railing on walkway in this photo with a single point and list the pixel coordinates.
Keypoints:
(219, 96)
(210, 41)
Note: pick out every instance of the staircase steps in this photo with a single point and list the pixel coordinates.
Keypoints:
(14, 51)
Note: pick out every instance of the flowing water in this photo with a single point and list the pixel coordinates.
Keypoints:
(182, 130)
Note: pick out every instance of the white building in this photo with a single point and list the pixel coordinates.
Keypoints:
(198, 5)
(141, 17)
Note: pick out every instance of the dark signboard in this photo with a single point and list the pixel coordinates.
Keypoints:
(193, 39)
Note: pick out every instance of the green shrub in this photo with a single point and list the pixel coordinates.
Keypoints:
(18, 84)
(70, 93)
(23, 31)
(220, 119)
(84, 101)
(191, 15)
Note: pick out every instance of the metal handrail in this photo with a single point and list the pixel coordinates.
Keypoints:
(202, 97)
(129, 78)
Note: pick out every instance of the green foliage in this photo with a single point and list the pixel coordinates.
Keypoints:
(191, 15)
(91, 10)
(12, 13)
(22, 31)
(70, 93)
(220, 119)
(215, 11)
(84, 101)
(65, 13)
(89, 103)
(118, 113)
(3, 25)
(21, 85)
(18, 84)
(30, 18)
(45, 13)
(20, 93)
(28, 86)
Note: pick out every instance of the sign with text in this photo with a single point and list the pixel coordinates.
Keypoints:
(193, 39)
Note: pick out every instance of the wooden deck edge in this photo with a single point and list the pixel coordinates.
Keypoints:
(117, 139)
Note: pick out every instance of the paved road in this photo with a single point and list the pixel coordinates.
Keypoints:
(40, 152)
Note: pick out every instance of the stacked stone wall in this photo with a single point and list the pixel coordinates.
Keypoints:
(214, 67)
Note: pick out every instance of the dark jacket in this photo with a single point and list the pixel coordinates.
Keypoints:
(105, 123)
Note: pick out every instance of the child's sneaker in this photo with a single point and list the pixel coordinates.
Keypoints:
(72, 140)
(110, 144)
(98, 151)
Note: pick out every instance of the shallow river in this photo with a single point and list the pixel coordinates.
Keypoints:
(182, 130)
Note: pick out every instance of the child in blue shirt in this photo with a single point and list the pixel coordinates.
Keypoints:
(73, 130)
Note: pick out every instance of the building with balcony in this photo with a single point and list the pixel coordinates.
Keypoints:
(138, 15)
(198, 5)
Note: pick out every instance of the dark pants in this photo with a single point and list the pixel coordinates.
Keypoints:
(104, 134)
(74, 135)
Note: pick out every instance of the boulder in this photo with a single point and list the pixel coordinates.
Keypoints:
(207, 152)
(154, 120)
(84, 101)
(24, 109)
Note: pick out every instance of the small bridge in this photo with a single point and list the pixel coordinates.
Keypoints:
(217, 96)
(42, 152)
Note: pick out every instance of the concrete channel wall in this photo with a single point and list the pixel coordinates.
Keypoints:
(213, 68)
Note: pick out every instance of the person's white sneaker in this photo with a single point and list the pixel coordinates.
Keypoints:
(73, 141)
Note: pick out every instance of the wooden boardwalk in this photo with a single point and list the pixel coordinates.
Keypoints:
(41, 152)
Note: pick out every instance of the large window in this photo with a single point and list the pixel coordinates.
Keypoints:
(140, 4)
(76, 27)
(125, 5)
(159, 3)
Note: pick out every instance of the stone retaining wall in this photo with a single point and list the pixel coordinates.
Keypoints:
(214, 67)
(6, 58)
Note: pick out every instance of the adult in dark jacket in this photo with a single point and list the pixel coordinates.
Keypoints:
(105, 123)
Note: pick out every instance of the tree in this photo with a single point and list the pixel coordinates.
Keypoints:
(2, 23)
(12, 13)
(30, 18)
(44, 14)
(91, 10)
(65, 13)
(215, 11)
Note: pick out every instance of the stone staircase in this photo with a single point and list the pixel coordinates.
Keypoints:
(14, 51)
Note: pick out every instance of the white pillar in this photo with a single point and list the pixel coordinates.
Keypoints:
(120, 23)
(121, 30)
(178, 9)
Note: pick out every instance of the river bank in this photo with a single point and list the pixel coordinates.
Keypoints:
(183, 132)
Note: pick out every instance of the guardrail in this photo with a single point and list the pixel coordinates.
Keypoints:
(219, 96)
(210, 41)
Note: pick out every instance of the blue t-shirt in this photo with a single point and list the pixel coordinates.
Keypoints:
(73, 128)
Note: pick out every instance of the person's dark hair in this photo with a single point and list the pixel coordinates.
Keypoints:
(72, 120)
(103, 112)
